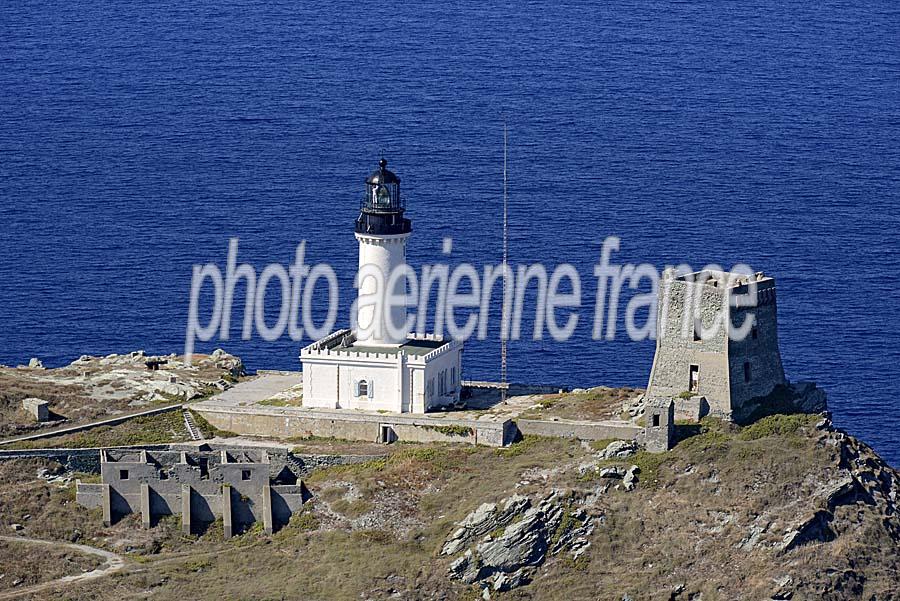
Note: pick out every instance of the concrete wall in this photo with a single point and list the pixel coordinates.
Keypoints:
(579, 430)
(289, 423)
(198, 486)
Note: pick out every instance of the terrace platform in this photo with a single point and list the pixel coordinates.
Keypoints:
(270, 406)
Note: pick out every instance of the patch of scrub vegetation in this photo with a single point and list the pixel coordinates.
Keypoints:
(409, 464)
(778, 425)
(281, 402)
(25, 564)
(454, 430)
(301, 521)
(600, 445)
(521, 446)
(710, 435)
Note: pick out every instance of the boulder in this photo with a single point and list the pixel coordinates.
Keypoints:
(619, 449)
(612, 472)
(630, 479)
(35, 363)
(521, 544)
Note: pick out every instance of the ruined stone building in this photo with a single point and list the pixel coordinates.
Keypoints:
(702, 359)
(242, 487)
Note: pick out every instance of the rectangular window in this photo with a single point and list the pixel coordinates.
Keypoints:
(656, 421)
(694, 382)
(746, 371)
(123, 474)
(697, 326)
(245, 474)
(453, 376)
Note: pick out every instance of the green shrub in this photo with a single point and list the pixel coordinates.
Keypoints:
(777, 425)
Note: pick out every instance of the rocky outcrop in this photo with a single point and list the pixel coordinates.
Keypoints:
(501, 543)
(131, 374)
(865, 479)
(807, 398)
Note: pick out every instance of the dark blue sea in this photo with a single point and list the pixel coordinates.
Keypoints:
(137, 138)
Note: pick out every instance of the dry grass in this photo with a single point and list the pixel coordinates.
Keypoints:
(26, 564)
(599, 403)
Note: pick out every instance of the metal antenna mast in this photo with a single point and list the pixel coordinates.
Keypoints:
(503, 381)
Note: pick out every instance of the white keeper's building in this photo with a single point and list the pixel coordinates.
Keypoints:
(374, 368)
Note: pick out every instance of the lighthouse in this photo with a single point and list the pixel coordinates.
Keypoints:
(371, 366)
(382, 232)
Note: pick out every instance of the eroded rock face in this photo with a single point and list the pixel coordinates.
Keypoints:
(502, 543)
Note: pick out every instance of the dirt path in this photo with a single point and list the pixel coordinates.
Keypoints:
(113, 563)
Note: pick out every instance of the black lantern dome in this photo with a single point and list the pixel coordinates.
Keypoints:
(381, 211)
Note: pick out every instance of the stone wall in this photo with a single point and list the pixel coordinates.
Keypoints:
(761, 353)
(731, 372)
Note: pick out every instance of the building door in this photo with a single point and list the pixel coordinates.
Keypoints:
(694, 382)
(386, 434)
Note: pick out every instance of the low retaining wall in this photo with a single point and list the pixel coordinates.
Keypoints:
(291, 423)
(579, 430)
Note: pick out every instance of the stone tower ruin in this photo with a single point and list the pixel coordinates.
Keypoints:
(717, 343)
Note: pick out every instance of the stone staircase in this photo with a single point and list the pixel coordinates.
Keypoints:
(191, 426)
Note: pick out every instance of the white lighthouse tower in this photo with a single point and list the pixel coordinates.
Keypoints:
(378, 366)
(382, 231)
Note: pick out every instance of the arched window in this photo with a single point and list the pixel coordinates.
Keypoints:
(362, 388)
